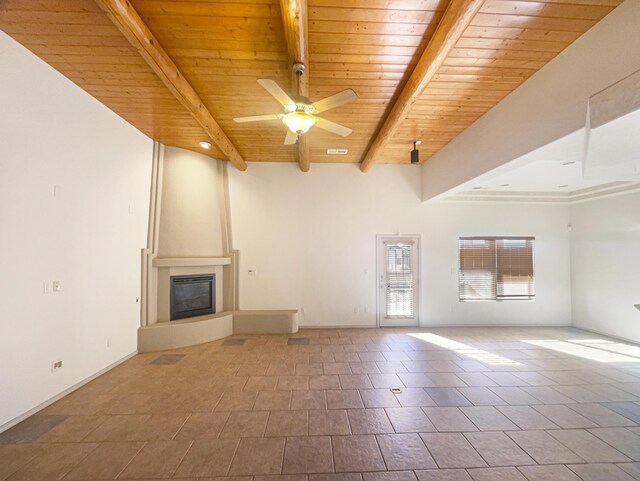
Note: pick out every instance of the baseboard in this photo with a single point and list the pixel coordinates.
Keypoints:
(340, 326)
(600, 333)
(427, 326)
(48, 402)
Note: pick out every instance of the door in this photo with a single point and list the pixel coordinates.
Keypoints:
(398, 281)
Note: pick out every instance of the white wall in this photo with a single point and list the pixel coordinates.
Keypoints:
(311, 237)
(191, 216)
(88, 237)
(548, 106)
(605, 265)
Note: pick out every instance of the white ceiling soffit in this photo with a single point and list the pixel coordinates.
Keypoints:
(601, 159)
(613, 132)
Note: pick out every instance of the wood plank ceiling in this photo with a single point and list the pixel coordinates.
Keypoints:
(371, 46)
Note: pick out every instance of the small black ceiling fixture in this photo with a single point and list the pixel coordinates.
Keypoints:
(415, 153)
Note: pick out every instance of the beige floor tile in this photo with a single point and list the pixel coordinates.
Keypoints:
(443, 475)
(272, 401)
(208, 457)
(308, 400)
(622, 439)
(344, 399)
(324, 382)
(449, 419)
(72, 430)
(261, 383)
(328, 422)
(564, 417)
(482, 396)
(356, 454)
(497, 449)
(52, 461)
(452, 450)
(369, 421)
(366, 367)
(293, 383)
(496, 474)
(258, 456)
(601, 415)
(544, 448)
(157, 459)
(390, 476)
(378, 398)
(404, 452)
(237, 401)
(588, 446)
(355, 381)
(600, 472)
(203, 425)
(409, 420)
(15, 456)
(200, 401)
(138, 427)
(548, 473)
(525, 417)
(631, 468)
(106, 461)
(243, 424)
(287, 423)
(414, 397)
(270, 477)
(488, 418)
(336, 477)
(306, 455)
(309, 369)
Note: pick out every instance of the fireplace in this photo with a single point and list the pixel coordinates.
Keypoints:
(192, 295)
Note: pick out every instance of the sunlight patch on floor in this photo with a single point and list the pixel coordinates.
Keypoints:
(466, 350)
(582, 351)
(612, 346)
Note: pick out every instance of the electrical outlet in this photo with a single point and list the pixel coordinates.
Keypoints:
(108, 342)
(56, 365)
(56, 286)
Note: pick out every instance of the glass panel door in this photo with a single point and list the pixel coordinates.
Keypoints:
(398, 291)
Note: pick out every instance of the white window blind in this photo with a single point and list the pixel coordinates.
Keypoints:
(400, 283)
(496, 268)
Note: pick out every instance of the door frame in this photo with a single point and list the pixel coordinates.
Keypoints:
(380, 239)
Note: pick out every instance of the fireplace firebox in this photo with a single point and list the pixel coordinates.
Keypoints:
(192, 295)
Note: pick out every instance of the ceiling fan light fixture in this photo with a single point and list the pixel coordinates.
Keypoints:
(299, 122)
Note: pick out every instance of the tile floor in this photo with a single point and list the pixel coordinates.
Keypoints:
(536, 404)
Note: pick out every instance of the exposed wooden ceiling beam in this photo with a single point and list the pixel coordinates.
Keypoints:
(296, 34)
(123, 15)
(454, 22)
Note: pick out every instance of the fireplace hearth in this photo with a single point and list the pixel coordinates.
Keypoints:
(192, 295)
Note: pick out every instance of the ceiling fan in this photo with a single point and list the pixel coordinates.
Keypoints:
(300, 114)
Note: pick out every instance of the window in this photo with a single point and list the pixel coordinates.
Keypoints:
(496, 268)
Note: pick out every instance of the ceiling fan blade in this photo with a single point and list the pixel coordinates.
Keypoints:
(336, 100)
(274, 89)
(333, 127)
(291, 138)
(258, 118)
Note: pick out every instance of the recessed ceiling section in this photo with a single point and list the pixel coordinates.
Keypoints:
(553, 173)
